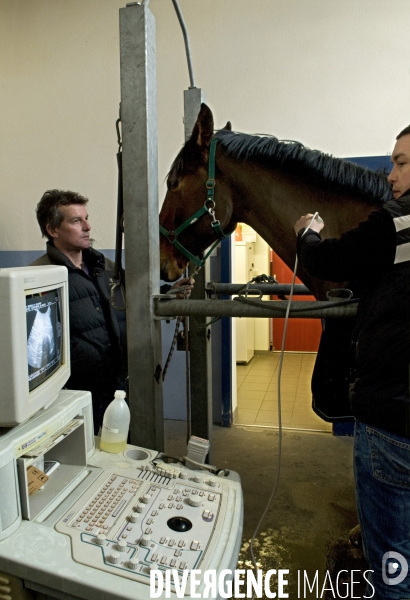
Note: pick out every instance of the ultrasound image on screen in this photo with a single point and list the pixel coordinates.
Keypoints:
(43, 336)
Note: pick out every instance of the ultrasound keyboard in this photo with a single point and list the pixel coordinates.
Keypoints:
(159, 518)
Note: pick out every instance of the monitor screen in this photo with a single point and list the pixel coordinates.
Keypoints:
(44, 336)
(34, 340)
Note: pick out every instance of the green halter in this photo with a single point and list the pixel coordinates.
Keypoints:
(207, 208)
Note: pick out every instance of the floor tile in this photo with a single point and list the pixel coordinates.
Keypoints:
(257, 387)
(254, 378)
(250, 403)
(246, 416)
(287, 405)
(258, 391)
(250, 395)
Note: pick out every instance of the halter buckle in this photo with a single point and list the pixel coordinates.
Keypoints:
(211, 208)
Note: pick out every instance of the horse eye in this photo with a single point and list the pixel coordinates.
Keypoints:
(172, 184)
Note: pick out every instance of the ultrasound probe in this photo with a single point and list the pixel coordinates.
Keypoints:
(316, 217)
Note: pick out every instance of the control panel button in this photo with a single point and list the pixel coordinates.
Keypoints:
(194, 501)
(133, 563)
(114, 557)
(145, 540)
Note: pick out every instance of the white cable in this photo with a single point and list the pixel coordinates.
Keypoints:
(282, 352)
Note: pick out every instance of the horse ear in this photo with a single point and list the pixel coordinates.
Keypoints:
(228, 126)
(204, 127)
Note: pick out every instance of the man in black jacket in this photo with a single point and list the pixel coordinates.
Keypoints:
(98, 345)
(377, 253)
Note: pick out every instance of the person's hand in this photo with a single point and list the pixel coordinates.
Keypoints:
(188, 284)
(305, 221)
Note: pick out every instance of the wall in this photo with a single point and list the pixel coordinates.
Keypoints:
(60, 97)
(334, 75)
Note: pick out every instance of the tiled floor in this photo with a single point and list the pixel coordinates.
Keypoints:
(258, 392)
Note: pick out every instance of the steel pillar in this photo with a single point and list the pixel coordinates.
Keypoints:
(199, 335)
(140, 188)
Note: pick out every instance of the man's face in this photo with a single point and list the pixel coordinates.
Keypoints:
(400, 174)
(73, 234)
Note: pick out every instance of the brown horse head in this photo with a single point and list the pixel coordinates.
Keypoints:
(265, 183)
(187, 193)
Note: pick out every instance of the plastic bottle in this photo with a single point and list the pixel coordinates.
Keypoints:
(116, 423)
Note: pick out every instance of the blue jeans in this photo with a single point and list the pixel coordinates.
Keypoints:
(382, 474)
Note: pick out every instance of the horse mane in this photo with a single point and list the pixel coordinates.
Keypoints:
(334, 173)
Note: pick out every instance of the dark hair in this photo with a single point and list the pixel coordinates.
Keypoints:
(406, 131)
(47, 211)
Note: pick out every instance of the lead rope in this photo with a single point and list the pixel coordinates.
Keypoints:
(116, 279)
(178, 323)
(171, 350)
(187, 365)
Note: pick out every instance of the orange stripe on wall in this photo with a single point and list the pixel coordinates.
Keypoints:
(303, 335)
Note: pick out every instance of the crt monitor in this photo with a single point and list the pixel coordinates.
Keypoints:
(34, 340)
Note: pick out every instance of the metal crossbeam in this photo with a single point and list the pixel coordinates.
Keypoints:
(263, 309)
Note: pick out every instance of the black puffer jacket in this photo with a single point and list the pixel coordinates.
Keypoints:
(377, 253)
(97, 332)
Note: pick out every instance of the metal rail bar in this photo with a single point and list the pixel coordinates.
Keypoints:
(271, 289)
(263, 309)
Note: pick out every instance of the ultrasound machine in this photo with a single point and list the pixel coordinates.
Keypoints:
(76, 522)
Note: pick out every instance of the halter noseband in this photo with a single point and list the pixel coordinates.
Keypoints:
(207, 208)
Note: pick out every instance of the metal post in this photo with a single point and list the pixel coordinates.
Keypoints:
(199, 335)
(193, 99)
(140, 184)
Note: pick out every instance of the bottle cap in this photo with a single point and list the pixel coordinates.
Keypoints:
(120, 394)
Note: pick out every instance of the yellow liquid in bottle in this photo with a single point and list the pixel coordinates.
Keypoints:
(113, 447)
